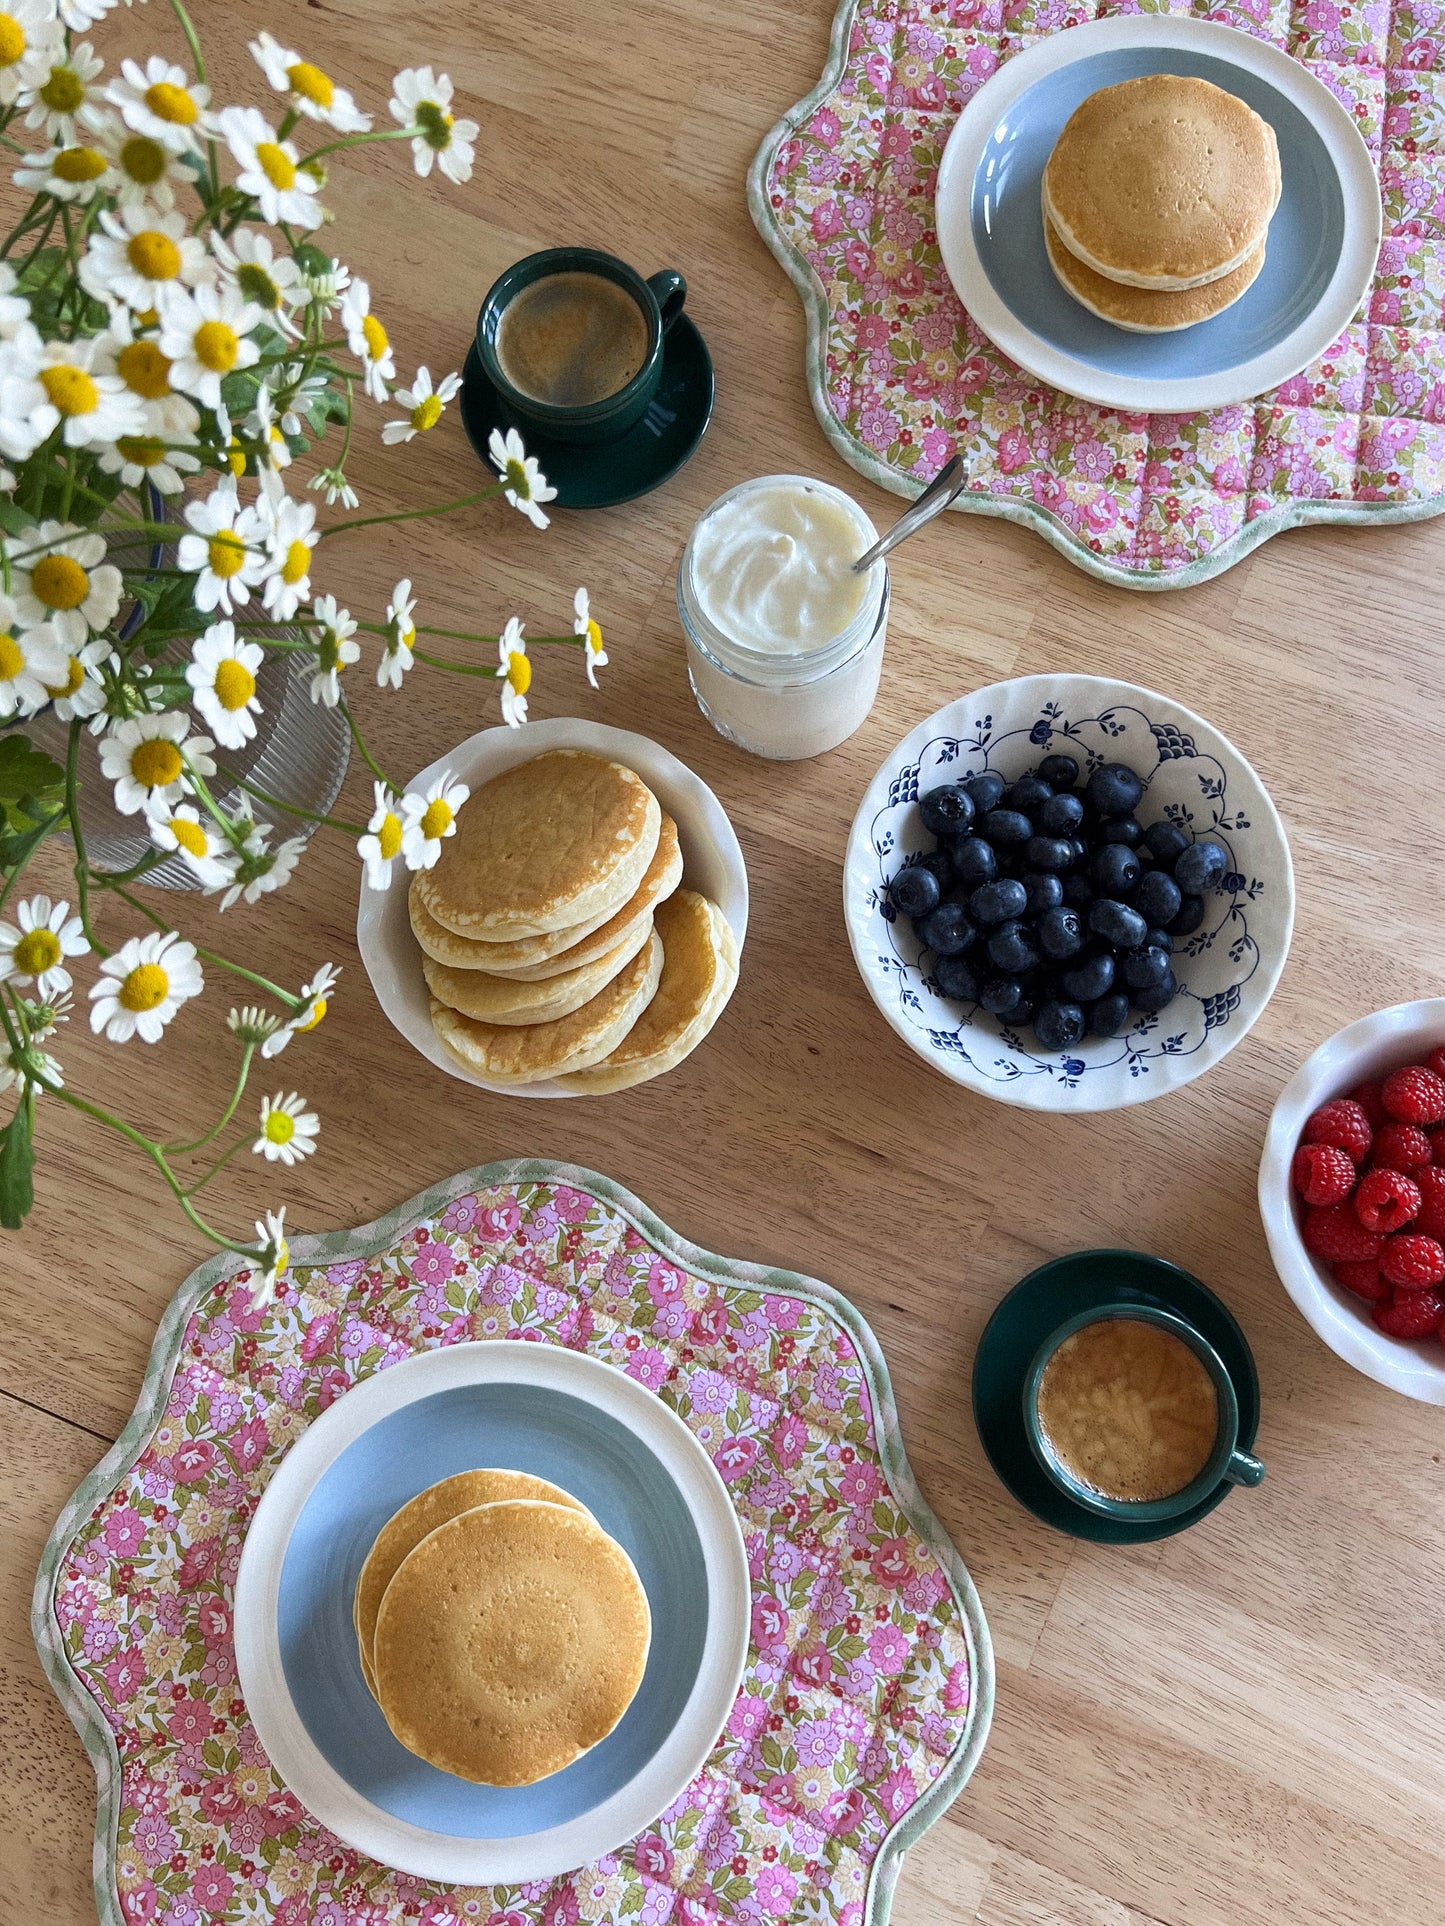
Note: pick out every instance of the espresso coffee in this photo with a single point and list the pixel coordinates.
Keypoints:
(571, 339)
(1128, 1410)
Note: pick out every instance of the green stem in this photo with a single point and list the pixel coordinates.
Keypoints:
(366, 755)
(220, 1164)
(292, 1003)
(199, 1143)
(292, 809)
(413, 514)
(77, 834)
(360, 140)
(458, 668)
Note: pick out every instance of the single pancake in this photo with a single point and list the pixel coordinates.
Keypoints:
(532, 958)
(510, 1641)
(531, 1052)
(406, 1528)
(1147, 310)
(545, 846)
(1163, 182)
(699, 970)
(502, 999)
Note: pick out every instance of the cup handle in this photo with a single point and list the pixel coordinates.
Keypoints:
(670, 291)
(1242, 1469)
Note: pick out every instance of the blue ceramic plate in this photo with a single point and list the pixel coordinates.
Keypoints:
(1319, 259)
(526, 1407)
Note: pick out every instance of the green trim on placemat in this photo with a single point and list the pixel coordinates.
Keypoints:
(336, 1246)
(859, 455)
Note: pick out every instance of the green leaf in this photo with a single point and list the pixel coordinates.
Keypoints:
(26, 771)
(17, 1165)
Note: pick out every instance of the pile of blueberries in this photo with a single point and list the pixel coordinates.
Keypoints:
(1052, 905)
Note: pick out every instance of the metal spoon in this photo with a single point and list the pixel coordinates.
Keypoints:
(947, 483)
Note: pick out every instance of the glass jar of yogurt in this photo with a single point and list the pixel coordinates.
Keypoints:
(784, 641)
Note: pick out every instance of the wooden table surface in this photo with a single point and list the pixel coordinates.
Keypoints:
(1245, 1723)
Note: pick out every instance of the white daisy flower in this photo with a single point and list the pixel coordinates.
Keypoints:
(288, 1129)
(326, 285)
(162, 102)
(381, 845)
(316, 998)
(268, 281)
(70, 385)
(515, 673)
(583, 624)
(336, 488)
(424, 404)
(14, 308)
(206, 853)
(225, 549)
(400, 636)
(270, 1231)
(526, 486)
(141, 169)
(308, 90)
(204, 333)
(146, 756)
(222, 673)
(139, 253)
(261, 428)
(335, 650)
(34, 947)
(60, 576)
(262, 869)
(80, 14)
(76, 173)
(30, 40)
(291, 541)
(32, 663)
(428, 819)
(142, 986)
(16, 1067)
(80, 692)
(367, 339)
(57, 101)
(251, 1023)
(151, 458)
(271, 169)
(296, 391)
(146, 372)
(422, 99)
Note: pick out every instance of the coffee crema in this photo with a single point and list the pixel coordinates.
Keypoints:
(1128, 1410)
(571, 339)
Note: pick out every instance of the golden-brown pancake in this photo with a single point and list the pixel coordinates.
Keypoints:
(502, 999)
(1147, 310)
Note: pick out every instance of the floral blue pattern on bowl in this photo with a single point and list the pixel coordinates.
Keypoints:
(1227, 968)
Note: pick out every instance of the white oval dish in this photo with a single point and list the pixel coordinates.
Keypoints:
(712, 864)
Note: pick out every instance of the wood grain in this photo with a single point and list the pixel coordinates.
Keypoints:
(1239, 1727)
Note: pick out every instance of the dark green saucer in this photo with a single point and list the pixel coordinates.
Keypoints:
(600, 474)
(1037, 1306)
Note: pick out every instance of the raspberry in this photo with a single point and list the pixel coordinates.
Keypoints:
(1338, 1236)
(1367, 1096)
(1413, 1263)
(1436, 1061)
(1437, 1145)
(1414, 1095)
(1400, 1146)
(1431, 1186)
(1386, 1200)
(1363, 1278)
(1322, 1173)
(1410, 1314)
(1344, 1124)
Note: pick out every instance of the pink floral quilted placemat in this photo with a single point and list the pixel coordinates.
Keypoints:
(869, 1681)
(842, 191)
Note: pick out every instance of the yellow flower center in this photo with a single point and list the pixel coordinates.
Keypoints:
(216, 346)
(298, 560)
(143, 450)
(256, 284)
(437, 820)
(71, 390)
(389, 836)
(171, 103)
(64, 91)
(74, 676)
(427, 414)
(227, 554)
(235, 685)
(37, 951)
(280, 1128)
(318, 1010)
(155, 763)
(235, 458)
(77, 164)
(143, 159)
(190, 836)
(154, 255)
(311, 83)
(146, 986)
(12, 40)
(59, 582)
(144, 369)
(374, 335)
(283, 1257)
(594, 638)
(277, 165)
(519, 672)
(12, 658)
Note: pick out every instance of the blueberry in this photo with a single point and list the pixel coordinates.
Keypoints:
(1048, 852)
(1043, 892)
(1006, 826)
(1061, 771)
(1117, 923)
(1061, 933)
(1027, 794)
(1158, 996)
(1109, 1015)
(1078, 850)
(1058, 1025)
(1022, 1012)
(1157, 898)
(947, 930)
(1122, 829)
(914, 891)
(1191, 915)
(1159, 940)
(1092, 978)
(997, 902)
(947, 811)
(1114, 870)
(1201, 867)
(1166, 841)
(956, 977)
(1143, 969)
(939, 861)
(1114, 789)
(1059, 815)
(1012, 948)
(985, 790)
(1078, 890)
(974, 861)
(1001, 996)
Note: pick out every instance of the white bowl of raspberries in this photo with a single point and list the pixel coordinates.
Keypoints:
(1352, 1194)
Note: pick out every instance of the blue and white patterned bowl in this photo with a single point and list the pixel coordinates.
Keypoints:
(1228, 968)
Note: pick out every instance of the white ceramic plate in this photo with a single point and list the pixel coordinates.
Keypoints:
(712, 864)
(1319, 259)
(644, 1476)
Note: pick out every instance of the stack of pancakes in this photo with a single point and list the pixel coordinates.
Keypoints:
(1157, 199)
(557, 943)
(502, 1632)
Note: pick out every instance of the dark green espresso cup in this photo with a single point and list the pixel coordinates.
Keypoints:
(659, 298)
